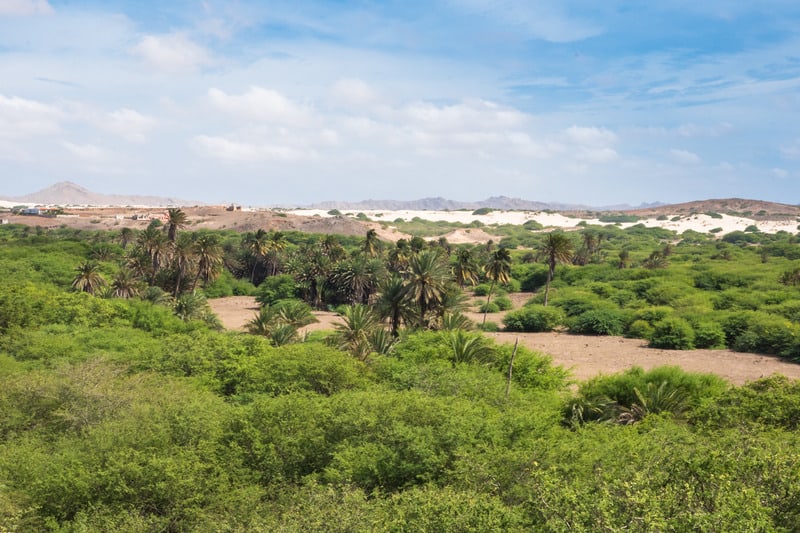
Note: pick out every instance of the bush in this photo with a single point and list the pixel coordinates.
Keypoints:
(503, 303)
(640, 329)
(488, 327)
(483, 290)
(709, 335)
(597, 322)
(276, 288)
(673, 333)
(482, 211)
(534, 318)
(491, 307)
(512, 285)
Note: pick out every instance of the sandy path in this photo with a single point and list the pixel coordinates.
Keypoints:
(586, 356)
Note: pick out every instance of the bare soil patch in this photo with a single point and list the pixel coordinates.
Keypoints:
(585, 356)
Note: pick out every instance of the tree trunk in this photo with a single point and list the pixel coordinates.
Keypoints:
(488, 299)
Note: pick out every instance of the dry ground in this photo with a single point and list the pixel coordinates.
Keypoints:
(585, 356)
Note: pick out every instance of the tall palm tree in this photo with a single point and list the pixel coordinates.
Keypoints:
(310, 267)
(152, 242)
(498, 269)
(125, 237)
(371, 246)
(557, 248)
(426, 278)
(392, 302)
(257, 244)
(88, 278)
(465, 270)
(209, 258)
(276, 244)
(183, 260)
(176, 219)
(357, 279)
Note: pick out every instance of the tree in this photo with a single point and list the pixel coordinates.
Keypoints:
(498, 269)
(88, 278)
(257, 244)
(152, 242)
(183, 260)
(276, 244)
(209, 258)
(465, 270)
(371, 246)
(557, 249)
(392, 303)
(357, 279)
(125, 284)
(176, 219)
(354, 333)
(426, 278)
(125, 237)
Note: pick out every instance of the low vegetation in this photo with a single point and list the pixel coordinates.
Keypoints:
(126, 408)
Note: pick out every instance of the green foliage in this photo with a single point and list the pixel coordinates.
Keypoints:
(276, 288)
(482, 211)
(673, 333)
(534, 318)
(598, 322)
(491, 307)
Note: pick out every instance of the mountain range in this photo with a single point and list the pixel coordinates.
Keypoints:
(67, 193)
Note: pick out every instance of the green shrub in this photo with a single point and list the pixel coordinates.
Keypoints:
(276, 288)
(709, 335)
(491, 307)
(673, 333)
(640, 329)
(503, 303)
(482, 211)
(597, 322)
(534, 318)
(512, 285)
(488, 326)
(482, 289)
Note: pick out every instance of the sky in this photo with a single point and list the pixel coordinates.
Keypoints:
(290, 103)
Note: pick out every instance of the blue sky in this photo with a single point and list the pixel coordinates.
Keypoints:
(263, 103)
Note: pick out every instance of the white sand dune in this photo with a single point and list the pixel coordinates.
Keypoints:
(700, 222)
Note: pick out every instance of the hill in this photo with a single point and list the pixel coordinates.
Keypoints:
(755, 209)
(68, 193)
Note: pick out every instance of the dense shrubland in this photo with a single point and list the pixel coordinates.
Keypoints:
(138, 414)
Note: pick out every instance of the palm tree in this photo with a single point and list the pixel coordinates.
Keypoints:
(465, 270)
(426, 278)
(183, 260)
(276, 244)
(209, 258)
(258, 245)
(468, 348)
(125, 237)
(151, 241)
(557, 248)
(498, 269)
(371, 245)
(353, 335)
(392, 302)
(125, 284)
(176, 219)
(357, 279)
(89, 278)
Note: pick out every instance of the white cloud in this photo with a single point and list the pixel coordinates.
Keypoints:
(780, 173)
(243, 151)
(21, 118)
(353, 92)
(128, 124)
(89, 153)
(590, 136)
(684, 157)
(261, 104)
(173, 52)
(466, 116)
(25, 7)
(791, 150)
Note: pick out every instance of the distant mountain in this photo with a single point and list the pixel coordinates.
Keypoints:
(442, 204)
(68, 193)
(756, 209)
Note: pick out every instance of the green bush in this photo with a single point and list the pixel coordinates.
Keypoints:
(640, 329)
(534, 318)
(512, 285)
(709, 335)
(673, 333)
(276, 288)
(597, 322)
(503, 303)
(491, 307)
